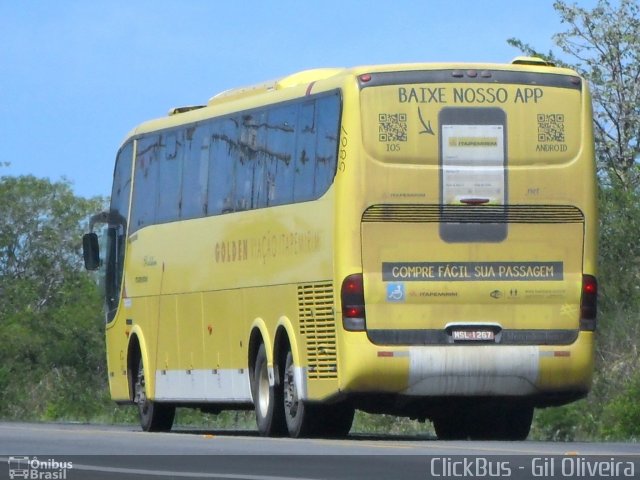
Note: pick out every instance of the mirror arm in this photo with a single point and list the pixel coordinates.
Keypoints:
(102, 217)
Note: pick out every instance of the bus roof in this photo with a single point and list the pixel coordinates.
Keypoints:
(302, 82)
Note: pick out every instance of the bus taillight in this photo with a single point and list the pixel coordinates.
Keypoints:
(352, 297)
(589, 303)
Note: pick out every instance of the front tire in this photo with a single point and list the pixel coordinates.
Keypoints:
(154, 417)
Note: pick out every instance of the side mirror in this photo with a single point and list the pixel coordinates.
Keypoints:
(91, 251)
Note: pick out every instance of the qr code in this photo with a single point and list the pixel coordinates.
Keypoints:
(393, 127)
(551, 127)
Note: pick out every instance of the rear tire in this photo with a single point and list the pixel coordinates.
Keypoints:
(267, 399)
(298, 415)
(154, 417)
(450, 428)
(311, 420)
(498, 420)
(518, 421)
(502, 422)
(335, 420)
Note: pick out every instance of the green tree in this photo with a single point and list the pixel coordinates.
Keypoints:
(603, 45)
(52, 352)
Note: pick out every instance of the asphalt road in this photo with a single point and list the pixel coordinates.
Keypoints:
(74, 451)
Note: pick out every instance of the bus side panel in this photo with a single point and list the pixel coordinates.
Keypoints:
(116, 362)
(191, 331)
(136, 321)
(207, 280)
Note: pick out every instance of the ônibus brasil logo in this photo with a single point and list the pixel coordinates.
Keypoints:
(32, 468)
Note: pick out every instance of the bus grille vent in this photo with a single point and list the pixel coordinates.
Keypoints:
(317, 324)
(418, 213)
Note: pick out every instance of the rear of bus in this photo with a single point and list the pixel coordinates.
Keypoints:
(477, 215)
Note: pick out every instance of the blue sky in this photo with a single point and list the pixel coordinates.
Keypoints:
(77, 75)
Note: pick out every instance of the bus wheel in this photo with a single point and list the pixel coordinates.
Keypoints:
(503, 422)
(338, 419)
(300, 418)
(154, 417)
(450, 428)
(267, 399)
(517, 422)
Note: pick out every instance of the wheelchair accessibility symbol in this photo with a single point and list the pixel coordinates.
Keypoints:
(395, 292)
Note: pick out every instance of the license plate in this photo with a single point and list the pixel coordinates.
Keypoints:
(473, 335)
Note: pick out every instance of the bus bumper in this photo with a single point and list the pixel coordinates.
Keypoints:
(467, 370)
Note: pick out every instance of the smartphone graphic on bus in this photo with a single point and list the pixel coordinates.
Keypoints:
(473, 162)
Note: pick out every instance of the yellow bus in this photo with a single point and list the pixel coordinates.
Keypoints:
(418, 240)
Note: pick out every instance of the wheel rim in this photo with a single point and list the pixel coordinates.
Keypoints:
(263, 390)
(291, 401)
(141, 392)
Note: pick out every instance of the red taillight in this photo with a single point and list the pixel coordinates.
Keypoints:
(589, 285)
(352, 297)
(589, 303)
(352, 285)
(353, 312)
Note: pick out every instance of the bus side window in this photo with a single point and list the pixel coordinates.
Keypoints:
(195, 173)
(170, 178)
(255, 136)
(328, 121)
(280, 152)
(243, 163)
(304, 167)
(222, 163)
(143, 210)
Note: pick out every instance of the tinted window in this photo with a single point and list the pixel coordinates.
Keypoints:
(281, 144)
(277, 155)
(222, 179)
(117, 230)
(195, 172)
(258, 127)
(247, 160)
(170, 176)
(304, 168)
(327, 117)
(145, 189)
(121, 186)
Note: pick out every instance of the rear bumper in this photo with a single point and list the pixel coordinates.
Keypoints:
(466, 370)
(479, 370)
